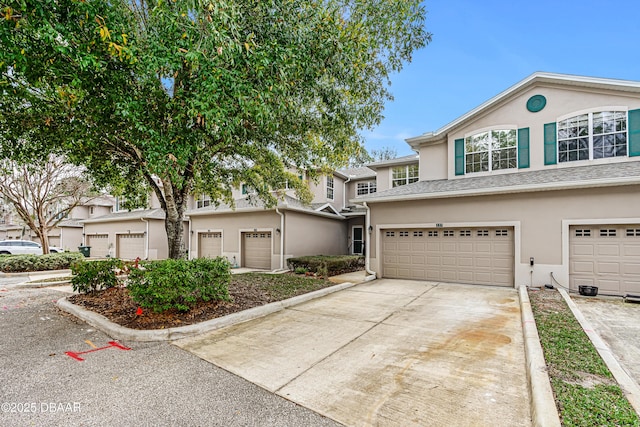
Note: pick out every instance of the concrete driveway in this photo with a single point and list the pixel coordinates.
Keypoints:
(618, 324)
(387, 353)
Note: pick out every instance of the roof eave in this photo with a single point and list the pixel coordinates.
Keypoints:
(607, 182)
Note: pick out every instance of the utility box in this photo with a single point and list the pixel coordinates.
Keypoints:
(85, 250)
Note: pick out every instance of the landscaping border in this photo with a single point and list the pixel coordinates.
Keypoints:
(122, 333)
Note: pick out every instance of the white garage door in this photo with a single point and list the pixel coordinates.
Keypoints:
(99, 245)
(483, 256)
(606, 256)
(257, 250)
(210, 245)
(131, 246)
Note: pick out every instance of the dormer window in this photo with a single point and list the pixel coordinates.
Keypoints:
(491, 150)
(596, 135)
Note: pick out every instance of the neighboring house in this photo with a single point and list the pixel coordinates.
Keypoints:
(251, 236)
(542, 180)
(68, 234)
(127, 234)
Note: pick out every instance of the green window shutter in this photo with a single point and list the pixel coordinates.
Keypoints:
(634, 133)
(550, 148)
(459, 156)
(523, 148)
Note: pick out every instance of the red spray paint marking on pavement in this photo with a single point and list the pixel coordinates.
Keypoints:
(76, 355)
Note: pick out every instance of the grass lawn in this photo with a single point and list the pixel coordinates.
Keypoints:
(585, 391)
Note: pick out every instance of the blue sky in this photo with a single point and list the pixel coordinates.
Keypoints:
(481, 48)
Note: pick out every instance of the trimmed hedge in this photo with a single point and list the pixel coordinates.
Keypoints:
(29, 263)
(179, 284)
(327, 265)
(89, 276)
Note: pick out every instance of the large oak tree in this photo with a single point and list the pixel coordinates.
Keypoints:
(197, 96)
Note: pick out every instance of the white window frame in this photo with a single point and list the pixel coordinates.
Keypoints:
(407, 176)
(366, 187)
(590, 135)
(490, 150)
(330, 188)
(203, 202)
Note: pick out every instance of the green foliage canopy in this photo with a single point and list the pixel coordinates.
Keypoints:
(198, 96)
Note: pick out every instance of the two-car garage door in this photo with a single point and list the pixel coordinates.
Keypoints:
(477, 255)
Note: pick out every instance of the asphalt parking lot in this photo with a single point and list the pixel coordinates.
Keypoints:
(152, 384)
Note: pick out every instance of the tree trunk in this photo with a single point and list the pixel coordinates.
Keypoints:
(174, 229)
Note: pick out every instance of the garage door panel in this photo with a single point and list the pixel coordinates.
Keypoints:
(631, 249)
(632, 286)
(464, 255)
(631, 268)
(583, 267)
(582, 249)
(609, 268)
(608, 250)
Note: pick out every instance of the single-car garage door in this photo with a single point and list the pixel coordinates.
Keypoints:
(606, 256)
(483, 256)
(99, 245)
(257, 250)
(210, 245)
(130, 246)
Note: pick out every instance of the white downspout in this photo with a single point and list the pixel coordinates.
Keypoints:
(189, 237)
(146, 239)
(344, 192)
(367, 243)
(281, 238)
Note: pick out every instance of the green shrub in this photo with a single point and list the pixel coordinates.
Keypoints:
(327, 265)
(300, 270)
(179, 284)
(89, 276)
(28, 263)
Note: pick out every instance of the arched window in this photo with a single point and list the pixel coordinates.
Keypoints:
(596, 135)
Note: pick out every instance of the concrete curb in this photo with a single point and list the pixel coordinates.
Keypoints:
(629, 387)
(35, 274)
(126, 334)
(543, 406)
(43, 284)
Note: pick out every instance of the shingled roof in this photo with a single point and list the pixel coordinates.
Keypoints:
(610, 174)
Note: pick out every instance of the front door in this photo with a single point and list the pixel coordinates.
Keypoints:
(358, 242)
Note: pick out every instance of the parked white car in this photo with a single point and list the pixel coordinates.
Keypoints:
(18, 247)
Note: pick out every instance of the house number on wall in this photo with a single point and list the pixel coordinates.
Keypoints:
(439, 225)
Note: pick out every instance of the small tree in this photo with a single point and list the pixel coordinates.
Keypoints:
(42, 193)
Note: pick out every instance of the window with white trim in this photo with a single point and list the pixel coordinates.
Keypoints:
(330, 187)
(203, 202)
(491, 150)
(367, 187)
(403, 175)
(119, 206)
(596, 135)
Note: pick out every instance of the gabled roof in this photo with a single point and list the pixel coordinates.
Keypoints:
(362, 172)
(525, 84)
(127, 215)
(604, 175)
(405, 160)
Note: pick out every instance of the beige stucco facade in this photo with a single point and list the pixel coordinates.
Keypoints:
(155, 237)
(540, 220)
(298, 233)
(544, 215)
